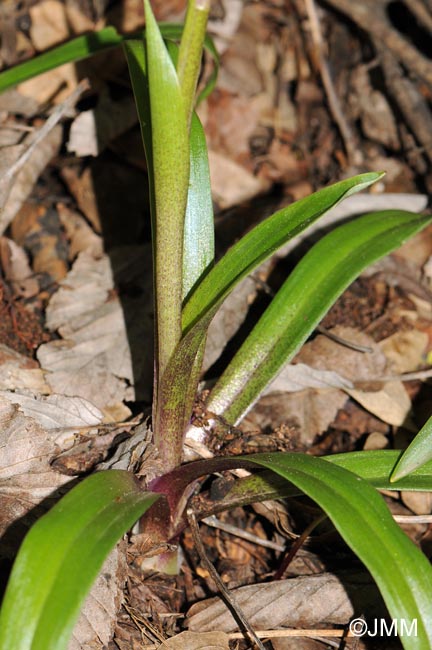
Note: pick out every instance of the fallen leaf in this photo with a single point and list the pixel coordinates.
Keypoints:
(25, 179)
(389, 401)
(92, 131)
(93, 358)
(298, 602)
(295, 377)
(405, 350)
(231, 183)
(48, 24)
(19, 373)
(81, 236)
(196, 641)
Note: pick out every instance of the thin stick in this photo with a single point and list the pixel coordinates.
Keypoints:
(226, 595)
(243, 534)
(297, 546)
(353, 152)
(53, 119)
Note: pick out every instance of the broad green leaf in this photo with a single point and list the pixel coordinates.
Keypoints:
(62, 555)
(305, 297)
(170, 151)
(375, 467)
(358, 512)
(418, 453)
(198, 242)
(262, 241)
(89, 45)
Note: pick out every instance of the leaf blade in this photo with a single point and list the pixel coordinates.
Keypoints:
(310, 290)
(416, 455)
(360, 515)
(62, 555)
(262, 241)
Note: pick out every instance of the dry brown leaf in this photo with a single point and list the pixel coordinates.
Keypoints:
(419, 502)
(16, 269)
(82, 237)
(93, 130)
(18, 372)
(196, 641)
(25, 179)
(295, 377)
(49, 24)
(95, 626)
(83, 190)
(231, 183)
(310, 412)
(389, 401)
(405, 350)
(93, 359)
(54, 85)
(298, 602)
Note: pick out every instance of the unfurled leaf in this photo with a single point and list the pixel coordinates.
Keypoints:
(262, 241)
(305, 297)
(62, 555)
(418, 453)
(401, 571)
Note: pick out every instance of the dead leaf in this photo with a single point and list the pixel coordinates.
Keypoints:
(81, 236)
(389, 401)
(419, 502)
(93, 359)
(26, 178)
(93, 130)
(405, 350)
(231, 183)
(18, 372)
(298, 602)
(16, 269)
(196, 641)
(295, 377)
(48, 24)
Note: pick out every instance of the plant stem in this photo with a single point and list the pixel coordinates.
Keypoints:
(190, 52)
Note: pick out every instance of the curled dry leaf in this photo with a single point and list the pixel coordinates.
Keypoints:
(298, 602)
(18, 372)
(388, 401)
(196, 641)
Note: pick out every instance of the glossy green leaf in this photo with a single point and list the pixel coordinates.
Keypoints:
(303, 300)
(262, 241)
(418, 453)
(198, 243)
(62, 555)
(359, 513)
(89, 45)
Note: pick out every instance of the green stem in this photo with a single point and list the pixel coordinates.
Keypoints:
(191, 47)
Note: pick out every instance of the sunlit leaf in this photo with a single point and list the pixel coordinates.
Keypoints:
(418, 453)
(303, 300)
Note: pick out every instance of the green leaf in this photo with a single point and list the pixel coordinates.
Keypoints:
(62, 555)
(262, 241)
(198, 242)
(89, 45)
(170, 150)
(358, 512)
(418, 453)
(305, 297)
(75, 50)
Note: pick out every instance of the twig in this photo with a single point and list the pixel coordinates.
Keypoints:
(413, 519)
(41, 134)
(353, 152)
(238, 532)
(283, 634)
(226, 595)
(348, 344)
